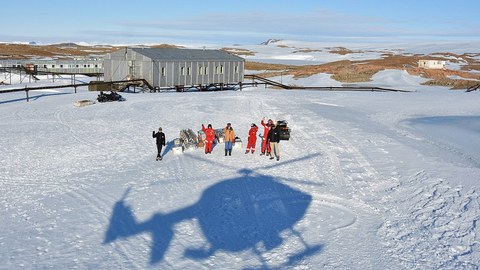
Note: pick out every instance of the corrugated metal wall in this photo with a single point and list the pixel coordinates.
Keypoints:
(119, 65)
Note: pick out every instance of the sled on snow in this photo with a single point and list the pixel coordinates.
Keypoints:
(177, 147)
(83, 103)
(238, 143)
(220, 135)
(189, 139)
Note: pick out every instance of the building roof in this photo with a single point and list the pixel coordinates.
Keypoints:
(186, 54)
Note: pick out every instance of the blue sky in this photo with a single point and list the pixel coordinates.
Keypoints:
(238, 22)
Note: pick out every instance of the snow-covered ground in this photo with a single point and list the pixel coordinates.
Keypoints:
(368, 180)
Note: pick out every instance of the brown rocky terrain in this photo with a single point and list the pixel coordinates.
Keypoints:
(344, 71)
(58, 51)
(347, 71)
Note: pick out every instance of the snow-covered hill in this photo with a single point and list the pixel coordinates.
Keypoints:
(368, 180)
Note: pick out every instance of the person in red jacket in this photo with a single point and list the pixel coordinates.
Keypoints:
(252, 138)
(209, 138)
(265, 143)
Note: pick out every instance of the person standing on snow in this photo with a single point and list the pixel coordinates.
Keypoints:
(209, 138)
(265, 143)
(229, 139)
(252, 138)
(160, 142)
(274, 138)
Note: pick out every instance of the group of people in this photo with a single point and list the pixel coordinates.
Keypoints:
(270, 139)
(228, 139)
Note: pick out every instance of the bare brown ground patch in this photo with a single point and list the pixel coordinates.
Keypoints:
(340, 50)
(59, 51)
(347, 71)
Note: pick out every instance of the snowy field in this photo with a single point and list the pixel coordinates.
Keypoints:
(368, 180)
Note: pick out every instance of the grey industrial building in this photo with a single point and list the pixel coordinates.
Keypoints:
(174, 67)
(86, 65)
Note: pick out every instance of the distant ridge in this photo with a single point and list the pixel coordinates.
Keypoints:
(66, 44)
(270, 41)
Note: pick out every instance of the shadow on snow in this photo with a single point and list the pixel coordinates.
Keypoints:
(168, 147)
(234, 215)
(34, 97)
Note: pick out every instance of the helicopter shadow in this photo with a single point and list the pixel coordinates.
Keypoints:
(248, 212)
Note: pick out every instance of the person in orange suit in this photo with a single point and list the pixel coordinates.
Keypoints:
(265, 142)
(209, 138)
(252, 138)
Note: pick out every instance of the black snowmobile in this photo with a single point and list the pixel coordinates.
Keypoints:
(284, 130)
(113, 96)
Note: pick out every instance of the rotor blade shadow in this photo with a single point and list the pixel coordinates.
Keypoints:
(288, 161)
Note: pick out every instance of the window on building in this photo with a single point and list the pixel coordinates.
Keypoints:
(221, 69)
(217, 70)
(164, 73)
(205, 70)
(189, 71)
(53, 66)
(235, 69)
(200, 71)
(61, 66)
(182, 71)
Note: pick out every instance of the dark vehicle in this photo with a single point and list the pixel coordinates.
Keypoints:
(113, 96)
(285, 130)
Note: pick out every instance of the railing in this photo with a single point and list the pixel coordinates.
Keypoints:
(124, 82)
(473, 88)
(267, 81)
(322, 88)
